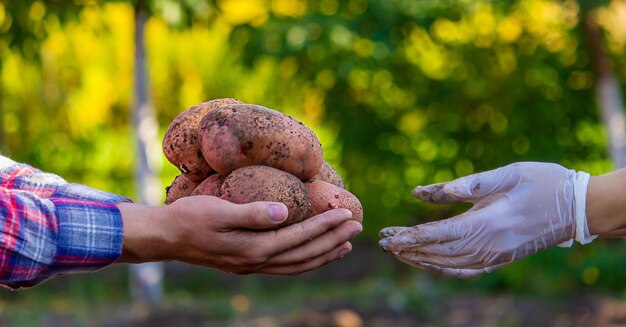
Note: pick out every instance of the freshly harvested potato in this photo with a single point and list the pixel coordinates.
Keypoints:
(240, 135)
(264, 183)
(180, 143)
(325, 196)
(328, 174)
(210, 186)
(180, 187)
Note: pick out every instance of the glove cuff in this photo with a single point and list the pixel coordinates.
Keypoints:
(581, 180)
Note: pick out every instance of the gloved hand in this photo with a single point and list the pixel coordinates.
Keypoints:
(519, 210)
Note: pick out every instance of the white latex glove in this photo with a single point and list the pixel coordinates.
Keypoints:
(519, 210)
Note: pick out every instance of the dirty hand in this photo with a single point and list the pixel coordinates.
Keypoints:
(518, 210)
(237, 238)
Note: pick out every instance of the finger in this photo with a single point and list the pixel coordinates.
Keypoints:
(441, 231)
(318, 246)
(477, 186)
(292, 236)
(434, 193)
(452, 248)
(298, 268)
(453, 262)
(462, 273)
(390, 231)
(469, 254)
(255, 215)
(444, 255)
(470, 188)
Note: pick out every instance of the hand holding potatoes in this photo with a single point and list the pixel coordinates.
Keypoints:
(245, 153)
(237, 238)
(254, 195)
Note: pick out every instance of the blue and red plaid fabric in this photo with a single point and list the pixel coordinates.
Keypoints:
(50, 227)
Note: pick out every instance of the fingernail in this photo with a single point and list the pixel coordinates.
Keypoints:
(343, 253)
(278, 212)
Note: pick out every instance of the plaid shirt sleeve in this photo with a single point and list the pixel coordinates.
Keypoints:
(50, 227)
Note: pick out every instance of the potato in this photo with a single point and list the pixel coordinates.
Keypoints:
(263, 183)
(240, 135)
(179, 188)
(180, 143)
(210, 186)
(329, 175)
(325, 196)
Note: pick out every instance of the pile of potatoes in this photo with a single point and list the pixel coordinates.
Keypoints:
(245, 152)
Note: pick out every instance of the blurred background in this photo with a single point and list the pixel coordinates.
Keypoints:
(400, 92)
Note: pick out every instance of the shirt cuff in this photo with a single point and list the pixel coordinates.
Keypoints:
(90, 231)
(90, 228)
(90, 235)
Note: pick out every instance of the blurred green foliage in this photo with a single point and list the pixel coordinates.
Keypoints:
(400, 92)
(423, 92)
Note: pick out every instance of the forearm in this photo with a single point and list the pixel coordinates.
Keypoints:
(606, 204)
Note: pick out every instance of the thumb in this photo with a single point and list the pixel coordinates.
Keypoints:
(257, 215)
(472, 187)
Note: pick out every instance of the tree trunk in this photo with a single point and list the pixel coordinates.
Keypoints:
(609, 97)
(146, 279)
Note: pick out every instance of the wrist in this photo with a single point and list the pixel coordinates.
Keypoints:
(143, 239)
(606, 203)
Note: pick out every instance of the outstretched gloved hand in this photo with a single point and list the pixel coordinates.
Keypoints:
(518, 210)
